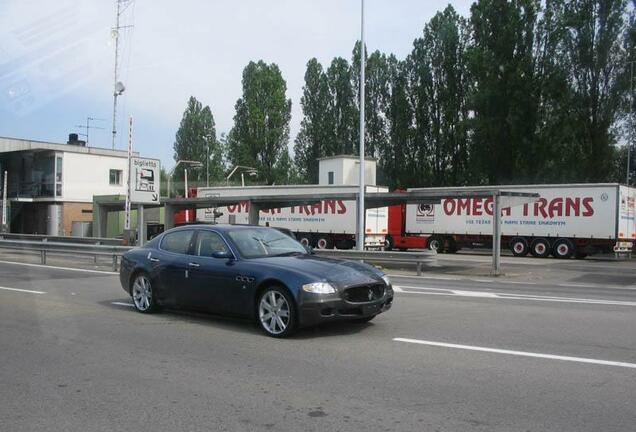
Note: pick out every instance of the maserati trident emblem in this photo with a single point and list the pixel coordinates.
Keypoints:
(370, 294)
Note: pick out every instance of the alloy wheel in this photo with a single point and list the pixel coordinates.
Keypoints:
(274, 312)
(142, 293)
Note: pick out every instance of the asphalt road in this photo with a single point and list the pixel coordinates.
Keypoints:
(471, 354)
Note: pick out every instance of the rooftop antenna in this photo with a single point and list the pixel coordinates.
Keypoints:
(119, 87)
(88, 126)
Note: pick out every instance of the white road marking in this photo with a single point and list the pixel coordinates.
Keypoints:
(453, 278)
(507, 296)
(123, 304)
(519, 353)
(22, 290)
(59, 268)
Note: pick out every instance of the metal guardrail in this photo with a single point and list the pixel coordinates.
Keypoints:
(45, 248)
(62, 239)
(418, 259)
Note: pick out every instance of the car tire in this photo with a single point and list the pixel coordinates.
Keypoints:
(363, 319)
(563, 249)
(436, 243)
(276, 312)
(519, 246)
(540, 248)
(324, 242)
(142, 293)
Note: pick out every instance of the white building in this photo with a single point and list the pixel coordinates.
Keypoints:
(51, 185)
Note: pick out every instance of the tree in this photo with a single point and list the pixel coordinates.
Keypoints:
(343, 113)
(261, 124)
(505, 100)
(439, 87)
(316, 133)
(596, 61)
(196, 140)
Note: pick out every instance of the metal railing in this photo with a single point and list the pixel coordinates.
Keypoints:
(418, 259)
(46, 248)
(62, 239)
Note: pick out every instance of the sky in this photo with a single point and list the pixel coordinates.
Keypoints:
(57, 59)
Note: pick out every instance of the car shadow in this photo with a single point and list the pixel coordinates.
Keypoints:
(243, 325)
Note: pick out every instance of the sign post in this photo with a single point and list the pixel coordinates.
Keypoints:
(145, 183)
(127, 209)
(3, 227)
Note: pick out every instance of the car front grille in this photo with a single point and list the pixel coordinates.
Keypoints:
(364, 293)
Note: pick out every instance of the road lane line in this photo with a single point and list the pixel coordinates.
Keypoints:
(507, 296)
(518, 353)
(123, 304)
(22, 290)
(58, 268)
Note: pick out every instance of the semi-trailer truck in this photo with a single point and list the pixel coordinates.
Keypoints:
(567, 220)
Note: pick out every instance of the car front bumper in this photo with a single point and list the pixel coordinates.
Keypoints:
(316, 311)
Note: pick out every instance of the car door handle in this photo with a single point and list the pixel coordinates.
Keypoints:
(153, 259)
(193, 265)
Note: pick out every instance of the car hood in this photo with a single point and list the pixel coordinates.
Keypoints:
(342, 273)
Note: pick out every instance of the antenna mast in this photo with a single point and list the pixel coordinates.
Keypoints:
(118, 87)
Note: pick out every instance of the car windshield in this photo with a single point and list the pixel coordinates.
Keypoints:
(264, 242)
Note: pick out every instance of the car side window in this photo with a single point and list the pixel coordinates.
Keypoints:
(209, 242)
(177, 242)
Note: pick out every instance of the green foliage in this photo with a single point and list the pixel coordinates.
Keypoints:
(196, 141)
(261, 124)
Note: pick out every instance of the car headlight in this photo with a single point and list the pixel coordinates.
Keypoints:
(319, 288)
(386, 280)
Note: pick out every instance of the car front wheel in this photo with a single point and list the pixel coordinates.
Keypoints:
(276, 313)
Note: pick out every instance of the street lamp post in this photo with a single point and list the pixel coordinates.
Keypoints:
(250, 171)
(361, 213)
(193, 164)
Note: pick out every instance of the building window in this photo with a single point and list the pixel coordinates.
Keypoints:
(58, 176)
(330, 175)
(115, 177)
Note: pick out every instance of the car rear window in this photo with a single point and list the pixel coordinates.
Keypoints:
(177, 242)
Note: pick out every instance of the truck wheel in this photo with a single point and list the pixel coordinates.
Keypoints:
(324, 242)
(388, 243)
(540, 248)
(563, 248)
(305, 239)
(436, 243)
(519, 246)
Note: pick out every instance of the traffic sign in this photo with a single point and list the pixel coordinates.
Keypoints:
(145, 180)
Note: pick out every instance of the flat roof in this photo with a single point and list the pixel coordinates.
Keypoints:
(8, 144)
(368, 158)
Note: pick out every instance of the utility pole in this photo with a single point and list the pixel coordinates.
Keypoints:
(630, 137)
(360, 233)
(88, 127)
(118, 87)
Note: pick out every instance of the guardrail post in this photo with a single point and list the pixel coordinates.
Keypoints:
(43, 256)
(114, 262)
(419, 268)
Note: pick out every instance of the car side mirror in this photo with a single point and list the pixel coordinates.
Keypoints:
(221, 255)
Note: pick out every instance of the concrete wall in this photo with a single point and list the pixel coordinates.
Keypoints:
(85, 175)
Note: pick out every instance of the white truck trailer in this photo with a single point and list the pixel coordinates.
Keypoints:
(324, 225)
(567, 220)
